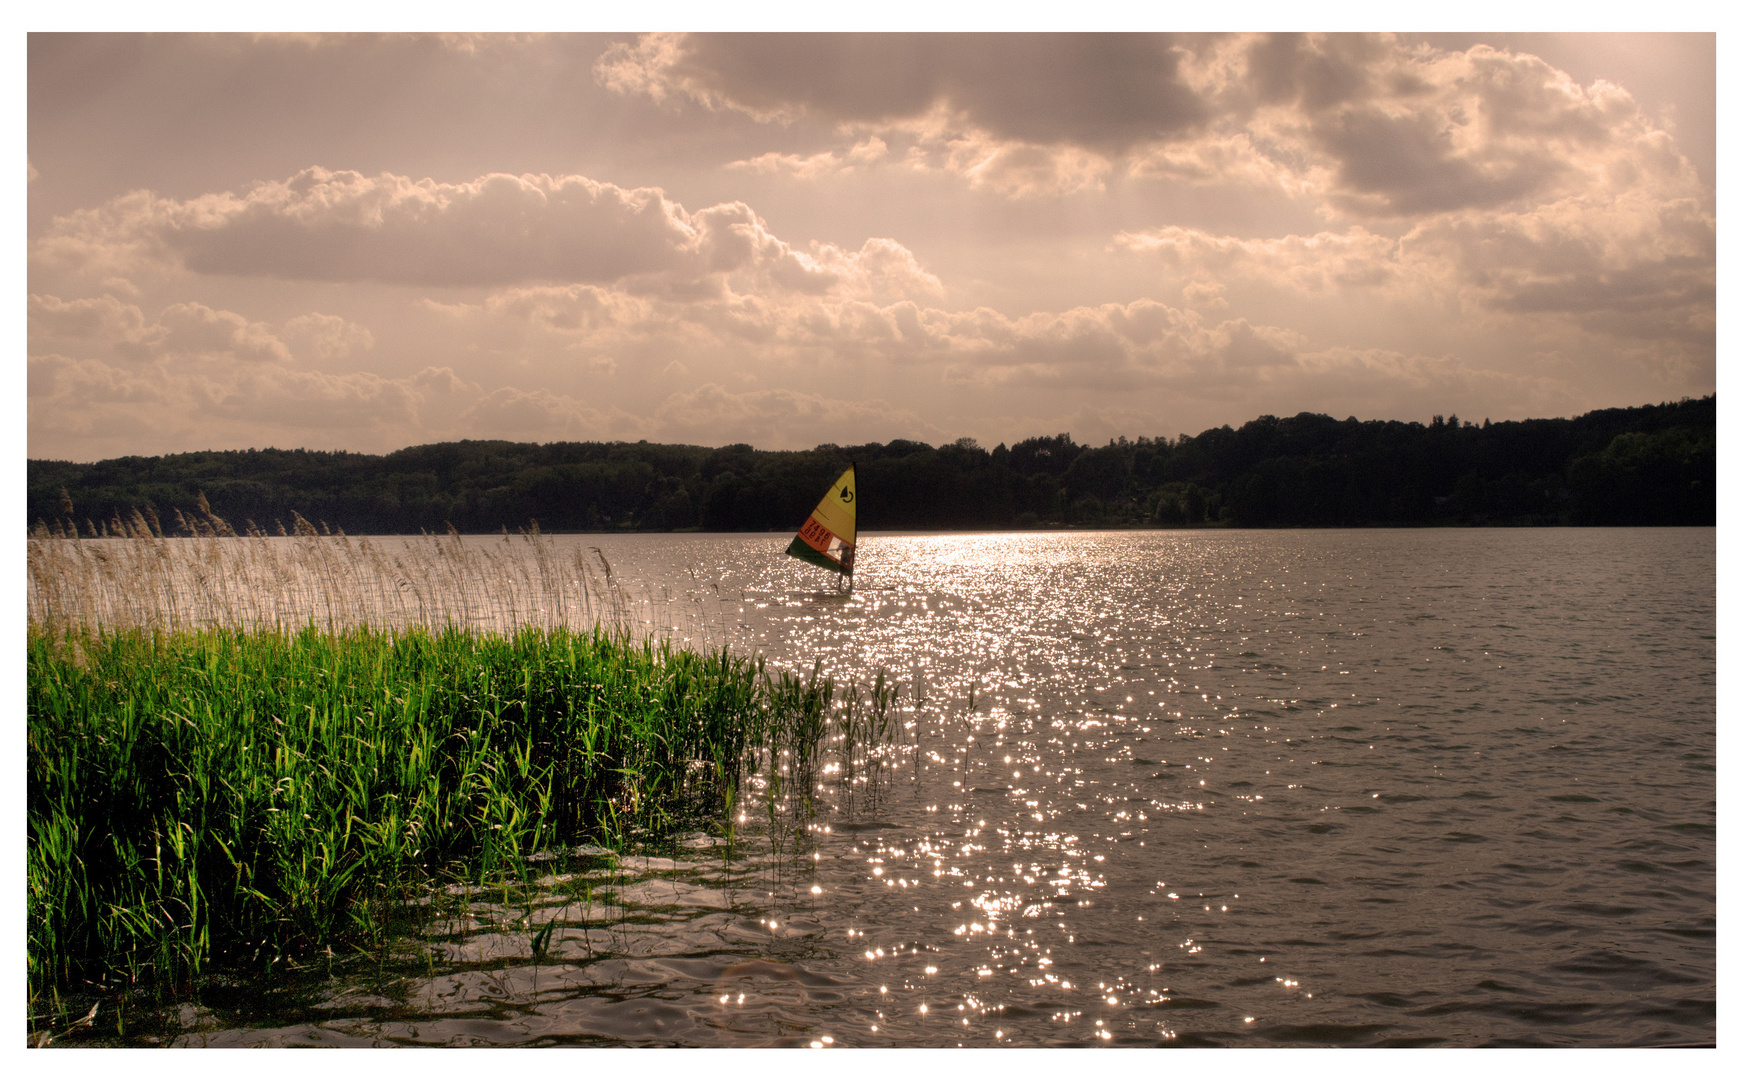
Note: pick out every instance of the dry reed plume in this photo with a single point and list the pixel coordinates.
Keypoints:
(128, 574)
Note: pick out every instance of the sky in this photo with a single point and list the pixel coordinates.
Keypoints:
(370, 242)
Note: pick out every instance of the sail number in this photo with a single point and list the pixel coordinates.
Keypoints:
(817, 535)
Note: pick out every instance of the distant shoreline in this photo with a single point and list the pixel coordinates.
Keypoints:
(1648, 465)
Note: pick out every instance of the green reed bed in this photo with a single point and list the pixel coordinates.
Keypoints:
(224, 795)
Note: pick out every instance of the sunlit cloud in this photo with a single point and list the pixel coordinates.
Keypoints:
(1376, 127)
(330, 226)
(818, 165)
(793, 239)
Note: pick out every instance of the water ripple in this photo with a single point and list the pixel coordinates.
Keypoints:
(1364, 788)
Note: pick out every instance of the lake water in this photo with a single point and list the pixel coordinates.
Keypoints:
(1433, 787)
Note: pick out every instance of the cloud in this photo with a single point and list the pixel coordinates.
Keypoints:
(328, 337)
(1144, 344)
(497, 230)
(86, 400)
(1314, 264)
(79, 386)
(310, 399)
(90, 402)
(1089, 89)
(1375, 127)
(1629, 264)
(194, 330)
(1203, 347)
(1412, 131)
(101, 318)
(786, 290)
(565, 309)
(1229, 158)
(1020, 113)
(819, 165)
(98, 369)
(1012, 168)
(1632, 266)
(1211, 222)
(187, 332)
(440, 382)
(322, 225)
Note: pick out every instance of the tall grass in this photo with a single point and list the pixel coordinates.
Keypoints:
(223, 794)
(241, 746)
(138, 578)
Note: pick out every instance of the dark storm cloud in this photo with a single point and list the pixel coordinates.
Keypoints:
(1101, 91)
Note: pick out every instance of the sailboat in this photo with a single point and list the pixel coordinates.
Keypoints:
(828, 537)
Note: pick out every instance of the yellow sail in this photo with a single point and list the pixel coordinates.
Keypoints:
(828, 537)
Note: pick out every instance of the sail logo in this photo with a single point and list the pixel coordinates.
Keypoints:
(845, 494)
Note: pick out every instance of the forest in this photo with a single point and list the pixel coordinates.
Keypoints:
(1647, 465)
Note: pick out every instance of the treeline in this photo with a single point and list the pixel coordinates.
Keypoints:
(1651, 465)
